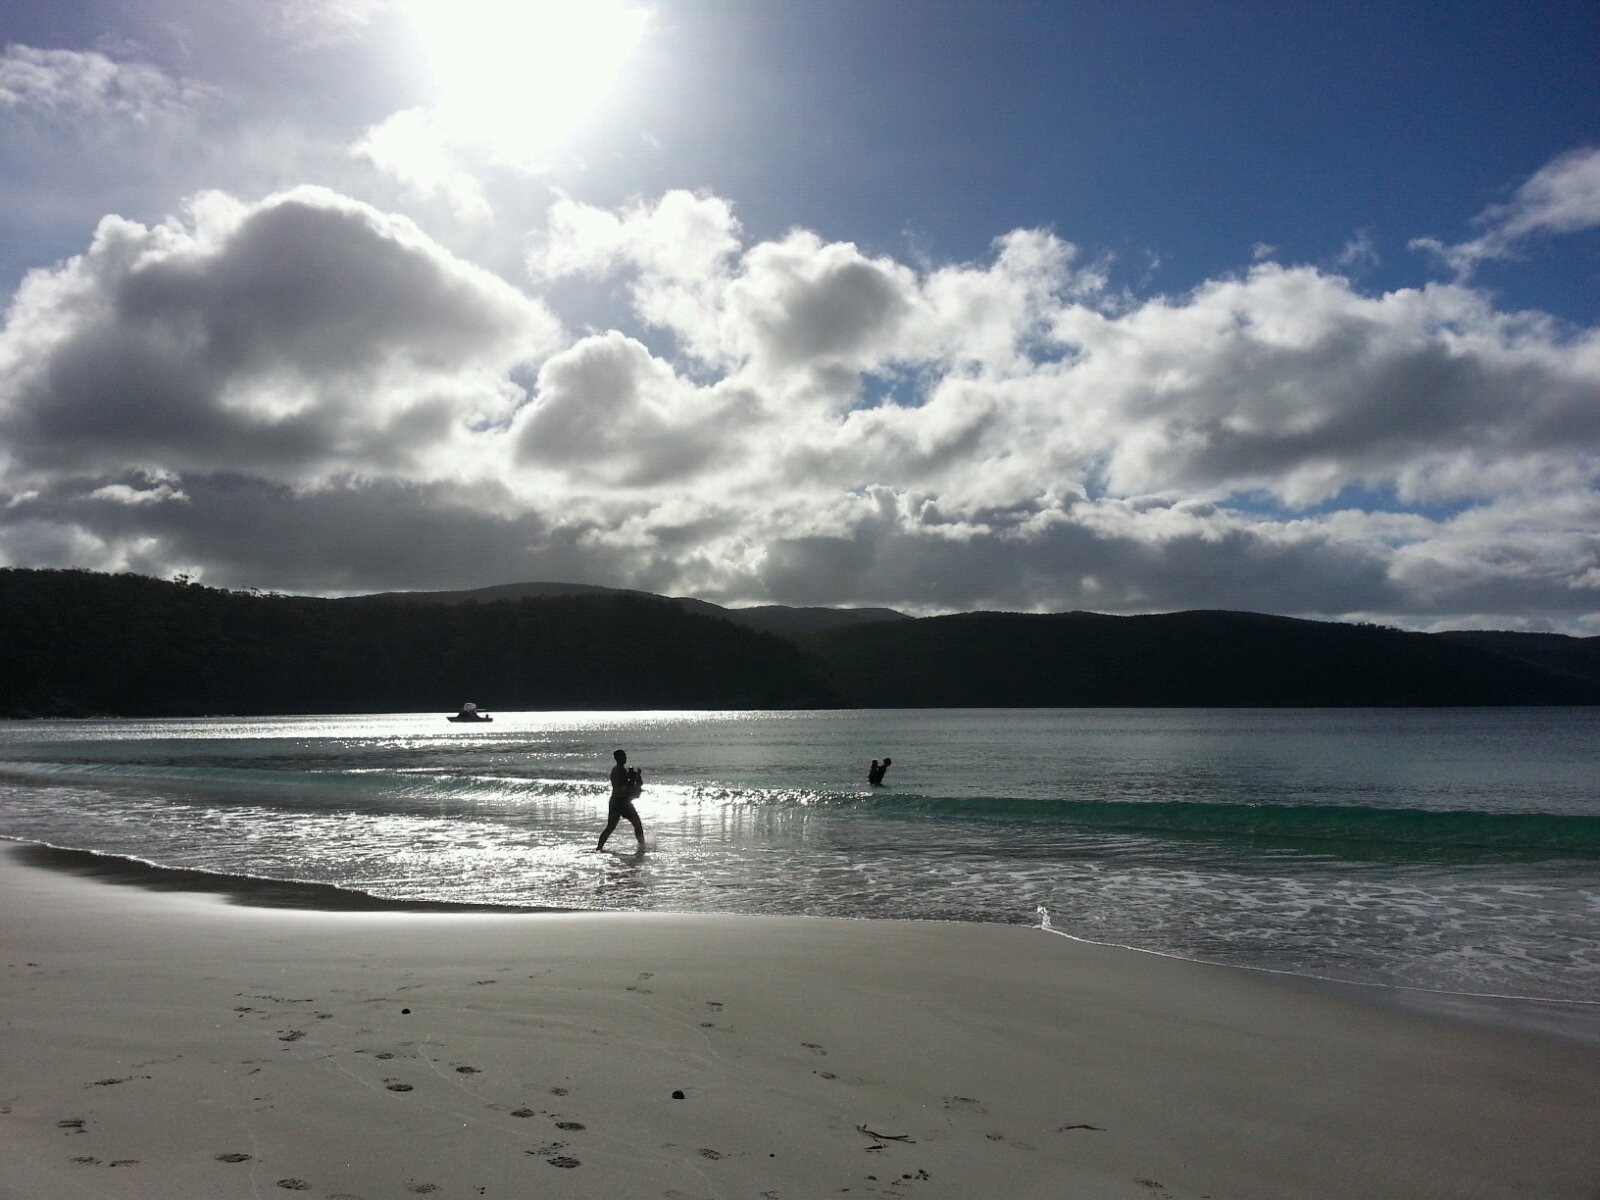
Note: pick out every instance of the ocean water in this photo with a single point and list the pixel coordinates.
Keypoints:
(1456, 850)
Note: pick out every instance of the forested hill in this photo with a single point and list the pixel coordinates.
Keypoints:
(76, 643)
(765, 618)
(1212, 659)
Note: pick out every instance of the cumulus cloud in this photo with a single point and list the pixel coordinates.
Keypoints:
(66, 82)
(409, 146)
(1562, 197)
(1292, 382)
(304, 335)
(790, 419)
(607, 412)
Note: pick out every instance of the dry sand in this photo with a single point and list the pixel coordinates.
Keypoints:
(171, 1044)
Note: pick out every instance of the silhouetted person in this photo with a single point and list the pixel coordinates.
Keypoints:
(876, 771)
(626, 784)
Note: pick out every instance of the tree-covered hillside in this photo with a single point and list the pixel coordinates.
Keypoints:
(1212, 659)
(75, 643)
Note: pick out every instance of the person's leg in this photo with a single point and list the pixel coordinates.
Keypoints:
(616, 815)
(629, 811)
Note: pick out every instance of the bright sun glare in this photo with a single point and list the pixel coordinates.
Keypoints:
(521, 75)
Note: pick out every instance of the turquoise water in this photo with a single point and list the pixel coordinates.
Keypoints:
(1449, 849)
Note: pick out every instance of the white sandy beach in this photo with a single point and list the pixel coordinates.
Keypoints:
(170, 1044)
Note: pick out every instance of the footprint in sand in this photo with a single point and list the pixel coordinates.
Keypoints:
(423, 1189)
(641, 990)
(558, 1091)
(963, 1104)
(570, 1125)
(467, 1071)
(814, 1048)
(294, 1185)
(714, 1005)
(124, 1162)
(394, 1085)
(85, 1158)
(647, 974)
(73, 1123)
(384, 1054)
(293, 1035)
(233, 1158)
(523, 1112)
(563, 1160)
(708, 1153)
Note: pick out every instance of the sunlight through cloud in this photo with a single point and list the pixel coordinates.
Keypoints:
(521, 76)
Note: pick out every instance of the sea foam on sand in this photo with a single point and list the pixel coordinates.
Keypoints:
(170, 1044)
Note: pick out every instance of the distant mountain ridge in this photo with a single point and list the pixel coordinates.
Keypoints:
(77, 643)
(1196, 659)
(764, 618)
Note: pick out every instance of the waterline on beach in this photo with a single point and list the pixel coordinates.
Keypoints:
(1447, 850)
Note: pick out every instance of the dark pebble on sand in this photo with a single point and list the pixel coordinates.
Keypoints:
(678, 1096)
(405, 1012)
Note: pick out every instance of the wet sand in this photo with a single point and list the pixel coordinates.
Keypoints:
(161, 1042)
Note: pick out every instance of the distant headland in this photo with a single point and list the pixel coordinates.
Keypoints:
(80, 643)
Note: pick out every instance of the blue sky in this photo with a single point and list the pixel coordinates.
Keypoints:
(1040, 306)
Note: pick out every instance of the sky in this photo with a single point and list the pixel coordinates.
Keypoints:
(1114, 305)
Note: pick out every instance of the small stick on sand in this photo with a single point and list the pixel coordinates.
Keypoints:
(885, 1137)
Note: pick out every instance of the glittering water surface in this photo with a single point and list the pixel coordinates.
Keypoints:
(1456, 849)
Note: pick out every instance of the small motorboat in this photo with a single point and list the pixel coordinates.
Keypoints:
(469, 712)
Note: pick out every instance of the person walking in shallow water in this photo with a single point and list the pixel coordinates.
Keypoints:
(876, 771)
(626, 784)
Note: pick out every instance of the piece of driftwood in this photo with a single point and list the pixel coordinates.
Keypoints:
(885, 1137)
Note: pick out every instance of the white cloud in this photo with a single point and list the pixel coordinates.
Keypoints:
(1563, 196)
(684, 236)
(155, 492)
(607, 412)
(410, 147)
(1358, 253)
(324, 22)
(304, 335)
(86, 81)
(798, 420)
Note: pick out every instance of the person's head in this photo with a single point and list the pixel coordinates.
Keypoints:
(620, 755)
(874, 762)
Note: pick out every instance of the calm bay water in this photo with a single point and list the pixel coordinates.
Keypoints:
(1449, 849)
